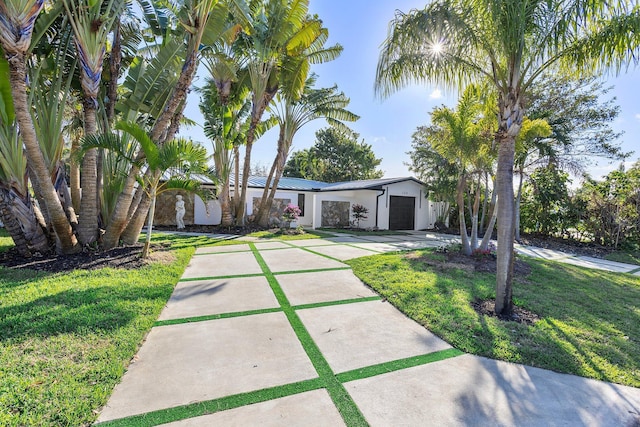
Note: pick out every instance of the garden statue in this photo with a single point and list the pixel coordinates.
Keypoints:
(180, 212)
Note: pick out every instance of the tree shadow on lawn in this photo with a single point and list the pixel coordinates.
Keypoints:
(99, 309)
(579, 333)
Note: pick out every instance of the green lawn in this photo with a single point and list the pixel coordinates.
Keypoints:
(276, 234)
(590, 319)
(65, 339)
(628, 257)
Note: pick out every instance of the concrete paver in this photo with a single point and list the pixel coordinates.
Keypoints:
(379, 247)
(310, 409)
(207, 297)
(220, 265)
(347, 239)
(186, 363)
(543, 253)
(271, 245)
(343, 252)
(323, 286)
(366, 333)
(600, 264)
(295, 259)
(475, 391)
(311, 242)
(220, 249)
(192, 362)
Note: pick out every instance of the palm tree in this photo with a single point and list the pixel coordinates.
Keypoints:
(92, 22)
(201, 19)
(292, 115)
(17, 211)
(176, 161)
(17, 19)
(462, 137)
(281, 43)
(225, 115)
(509, 43)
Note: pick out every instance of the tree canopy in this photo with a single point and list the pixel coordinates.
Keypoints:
(336, 156)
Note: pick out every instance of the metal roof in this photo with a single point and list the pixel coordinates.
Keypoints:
(367, 184)
(285, 183)
(299, 184)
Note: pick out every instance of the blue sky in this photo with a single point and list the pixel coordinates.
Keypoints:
(360, 26)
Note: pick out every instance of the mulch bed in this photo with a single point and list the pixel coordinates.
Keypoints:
(519, 315)
(125, 257)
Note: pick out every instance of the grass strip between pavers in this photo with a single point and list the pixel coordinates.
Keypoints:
(634, 271)
(396, 365)
(339, 302)
(233, 276)
(317, 270)
(215, 316)
(318, 253)
(223, 253)
(193, 410)
(341, 398)
(327, 378)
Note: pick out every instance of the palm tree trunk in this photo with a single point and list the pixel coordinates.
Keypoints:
(225, 205)
(74, 175)
(257, 111)
(484, 244)
(66, 239)
(236, 181)
(152, 212)
(160, 131)
(21, 222)
(474, 217)
(518, 200)
(120, 214)
(88, 222)
(464, 238)
(267, 196)
(511, 114)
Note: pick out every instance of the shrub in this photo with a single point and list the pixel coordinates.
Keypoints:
(359, 213)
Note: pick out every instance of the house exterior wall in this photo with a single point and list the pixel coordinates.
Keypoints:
(165, 213)
(304, 220)
(200, 215)
(367, 198)
(424, 210)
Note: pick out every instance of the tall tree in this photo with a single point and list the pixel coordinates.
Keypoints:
(17, 19)
(336, 156)
(202, 20)
(510, 43)
(281, 43)
(463, 136)
(292, 114)
(91, 21)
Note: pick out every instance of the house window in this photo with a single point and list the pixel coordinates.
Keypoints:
(301, 203)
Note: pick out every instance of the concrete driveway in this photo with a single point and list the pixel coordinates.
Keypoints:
(283, 334)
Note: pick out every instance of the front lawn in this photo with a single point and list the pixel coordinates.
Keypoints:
(278, 234)
(66, 338)
(590, 322)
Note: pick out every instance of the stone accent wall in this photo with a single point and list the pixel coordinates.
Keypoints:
(277, 209)
(166, 208)
(335, 214)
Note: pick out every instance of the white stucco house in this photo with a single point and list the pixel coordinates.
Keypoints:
(393, 203)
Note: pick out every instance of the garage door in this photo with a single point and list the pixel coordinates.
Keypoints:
(402, 213)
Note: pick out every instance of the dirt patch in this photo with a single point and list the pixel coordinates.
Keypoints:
(126, 257)
(480, 263)
(519, 315)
